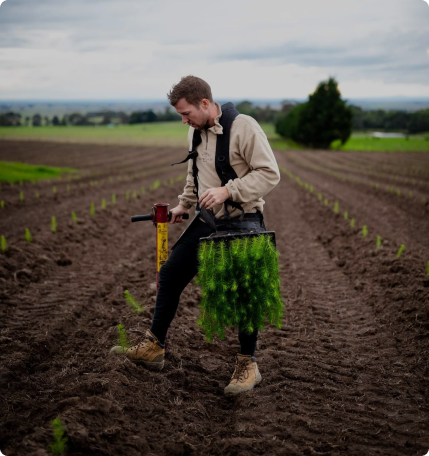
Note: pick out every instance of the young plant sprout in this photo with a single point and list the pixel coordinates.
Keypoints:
(378, 242)
(59, 445)
(326, 202)
(134, 194)
(92, 210)
(3, 244)
(21, 197)
(319, 195)
(127, 195)
(74, 217)
(122, 339)
(136, 307)
(352, 223)
(336, 207)
(398, 192)
(311, 189)
(37, 195)
(400, 251)
(410, 194)
(114, 198)
(427, 268)
(143, 191)
(68, 187)
(53, 224)
(28, 237)
(2, 204)
(346, 215)
(241, 285)
(103, 204)
(364, 231)
(54, 190)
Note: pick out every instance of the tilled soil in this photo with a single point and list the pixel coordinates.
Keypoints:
(346, 374)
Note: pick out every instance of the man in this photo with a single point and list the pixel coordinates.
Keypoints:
(257, 173)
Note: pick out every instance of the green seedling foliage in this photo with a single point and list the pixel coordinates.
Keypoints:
(54, 189)
(127, 195)
(113, 199)
(352, 223)
(320, 196)
(427, 268)
(134, 193)
(346, 215)
(68, 187)
(311, 189)
(364, 231)
(136, 307)
(21, 197)
(398, 192)
(92, 210)
(378, 242)
(53, 224)
(74, 217)
(240, 284)
(2, 204)
(155, 185)
(336, 207)
(37, 195)
(103, 204)
(28, 237)
(3, 244)
(410, 194)
(143, 190)
(123, 340)
(400, 251)
(59, 445)
(326, 202)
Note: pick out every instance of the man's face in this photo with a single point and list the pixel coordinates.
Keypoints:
(196, 117)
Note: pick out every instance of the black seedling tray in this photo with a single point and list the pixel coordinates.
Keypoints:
(227, 236)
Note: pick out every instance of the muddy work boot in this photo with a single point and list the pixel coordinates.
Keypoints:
(246, 375)
(150, 352)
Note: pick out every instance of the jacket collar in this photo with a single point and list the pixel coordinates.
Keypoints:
(217, 128)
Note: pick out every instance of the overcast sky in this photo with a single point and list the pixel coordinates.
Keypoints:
(136, 49)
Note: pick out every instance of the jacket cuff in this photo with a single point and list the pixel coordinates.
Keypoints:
(185, 203)
(232, 190)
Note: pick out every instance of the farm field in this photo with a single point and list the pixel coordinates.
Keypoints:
(345, 375)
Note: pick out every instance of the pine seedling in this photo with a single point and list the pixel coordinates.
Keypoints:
(346, 215)
(68, 187)
(143, 190)
(320, 196)
(53, 224)
(427, 268)
(378, 242)
(134, 194)
(21, 197)
(376, 186)
(59, 445)
(311, 189)
(54, 190)
(37, 195)
(336, 207)
(136, 307)
(123, 340)
(398, 193)
(2, 204)
(326, 202)
(392, 189)
(352, 223)
(28, 237)
(74, 217)
(113, 198)
(364, 231)
(400, 251)
(3, 244)
(103, 204)
(410, 194)
(92, 210)
(127, 195)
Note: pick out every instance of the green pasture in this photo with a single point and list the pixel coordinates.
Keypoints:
(175, 133)
(16, 172)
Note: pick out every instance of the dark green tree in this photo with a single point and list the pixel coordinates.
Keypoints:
(319, 121)
(37, 120)
(55, 121)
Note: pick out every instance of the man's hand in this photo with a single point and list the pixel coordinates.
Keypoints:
(213, 196)
(176, 214)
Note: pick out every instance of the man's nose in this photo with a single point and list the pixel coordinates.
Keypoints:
(184, 120)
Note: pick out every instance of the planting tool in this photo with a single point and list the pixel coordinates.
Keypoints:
(160, 216)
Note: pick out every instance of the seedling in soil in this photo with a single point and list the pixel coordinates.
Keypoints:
(346, 215)
(53, 224)
(378, 242)
(398, 192)
(59, 445)
(336, 207)
(3, 244)
(352, 223)
(123, 340)
(311, 189)
(74, 217)
(410, 194)
(135, 305)
(241, 285)
(68, 187)
(21, 197)
(2, 204)
(37, 195)
(143, 190)
(392, 189)
(28, 237)
(376, 186)
(103, 204)
(54, 190)
(326, 202)
(134, 194)
(127, 195)
(92, 210)
(113, 199)
(319, 195)
(427, 268)
(400, 251)
(364, 231)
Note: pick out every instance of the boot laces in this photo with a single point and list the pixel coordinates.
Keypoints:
(240, 371)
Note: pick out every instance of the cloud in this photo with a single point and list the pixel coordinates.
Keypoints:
(2, 1)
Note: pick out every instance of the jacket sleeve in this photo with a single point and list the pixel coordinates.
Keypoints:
(264, 173)
(188, 198)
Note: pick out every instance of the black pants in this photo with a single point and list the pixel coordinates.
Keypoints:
(175, 274)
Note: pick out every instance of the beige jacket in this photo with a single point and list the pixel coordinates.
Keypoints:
(251, 157)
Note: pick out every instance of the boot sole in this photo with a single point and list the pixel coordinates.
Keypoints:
(155, 366)
(237, 393)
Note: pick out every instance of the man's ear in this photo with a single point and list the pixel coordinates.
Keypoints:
(205, 103)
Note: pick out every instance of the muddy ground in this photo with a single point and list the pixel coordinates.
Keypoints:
(346, 374)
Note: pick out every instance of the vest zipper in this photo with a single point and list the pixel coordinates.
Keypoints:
(207, 139)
